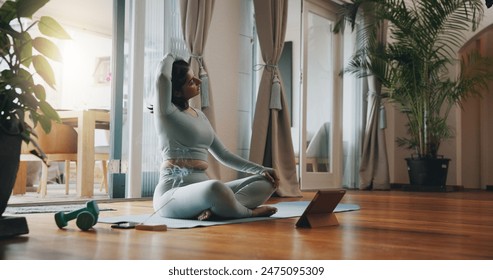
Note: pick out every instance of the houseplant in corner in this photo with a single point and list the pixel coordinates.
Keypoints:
(413, 69)
(23, 105)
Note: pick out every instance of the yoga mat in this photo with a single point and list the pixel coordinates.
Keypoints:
(285, 210)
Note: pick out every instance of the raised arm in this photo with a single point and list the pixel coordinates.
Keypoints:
(162, 101)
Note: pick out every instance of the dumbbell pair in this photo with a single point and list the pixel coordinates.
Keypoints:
(85, 217)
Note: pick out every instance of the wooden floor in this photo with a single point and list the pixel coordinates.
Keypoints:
(390, 225)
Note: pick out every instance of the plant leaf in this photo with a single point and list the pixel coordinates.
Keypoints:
(4, 43)
(47, 48)
(43, 68)
(29, 101)
(40, 92)
(50, 27)
(26, 48)
(27, 8)
(23, 77)
(48, 111)
(45, 123)
(7, 13)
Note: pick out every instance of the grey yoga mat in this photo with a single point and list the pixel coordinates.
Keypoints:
(285, 210)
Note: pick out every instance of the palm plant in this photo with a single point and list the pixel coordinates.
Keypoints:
(413, 66)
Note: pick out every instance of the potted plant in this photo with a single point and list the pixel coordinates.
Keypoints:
(413, 69)
(23, 105)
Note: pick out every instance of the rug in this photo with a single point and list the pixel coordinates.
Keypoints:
(285, 210)
(47, 209)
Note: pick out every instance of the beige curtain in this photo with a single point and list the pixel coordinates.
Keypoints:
(271, 143)
(374, 168)
(195, 21)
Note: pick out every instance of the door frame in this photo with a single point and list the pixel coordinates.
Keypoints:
(332, 179)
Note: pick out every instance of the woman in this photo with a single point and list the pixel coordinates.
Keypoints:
(185, 137)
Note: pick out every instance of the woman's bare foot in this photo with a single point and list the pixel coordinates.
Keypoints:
(205, 215)
(264, 211)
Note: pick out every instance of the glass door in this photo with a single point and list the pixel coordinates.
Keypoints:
(321, 131)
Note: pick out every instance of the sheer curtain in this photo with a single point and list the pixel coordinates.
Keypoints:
(365, 154)
(374, 168)
(353, 118)
(159, 40)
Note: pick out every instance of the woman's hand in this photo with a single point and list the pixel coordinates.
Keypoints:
(271, 175)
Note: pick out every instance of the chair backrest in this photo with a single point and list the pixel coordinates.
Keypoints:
(62, 139)
(320, 143)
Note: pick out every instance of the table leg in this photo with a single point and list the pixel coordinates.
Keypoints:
(21, 179)
(85, 155)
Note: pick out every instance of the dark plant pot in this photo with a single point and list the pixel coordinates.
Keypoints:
(10, 149)
(427, 171)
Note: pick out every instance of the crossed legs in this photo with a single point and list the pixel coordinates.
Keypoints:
(203, 199)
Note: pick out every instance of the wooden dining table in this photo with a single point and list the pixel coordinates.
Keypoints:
(86, 121)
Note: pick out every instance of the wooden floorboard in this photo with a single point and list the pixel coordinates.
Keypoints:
(391, 225)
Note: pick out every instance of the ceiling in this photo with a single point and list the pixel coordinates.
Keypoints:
(91, 15)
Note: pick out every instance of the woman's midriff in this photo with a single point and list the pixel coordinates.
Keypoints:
(185, 163)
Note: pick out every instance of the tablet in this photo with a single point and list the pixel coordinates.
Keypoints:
(320, 210)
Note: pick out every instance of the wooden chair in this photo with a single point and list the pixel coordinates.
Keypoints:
(61, 145)
(318, 151)
(102, 153)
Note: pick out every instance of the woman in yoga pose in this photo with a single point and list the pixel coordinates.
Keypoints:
(185, 138)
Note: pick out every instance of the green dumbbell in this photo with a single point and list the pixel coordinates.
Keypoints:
(86, 221)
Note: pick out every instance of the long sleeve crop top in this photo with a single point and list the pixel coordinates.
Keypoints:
(183, 136)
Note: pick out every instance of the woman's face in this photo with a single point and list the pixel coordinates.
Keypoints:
(191, 88)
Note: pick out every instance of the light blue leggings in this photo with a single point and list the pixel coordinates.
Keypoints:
(184, 193)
